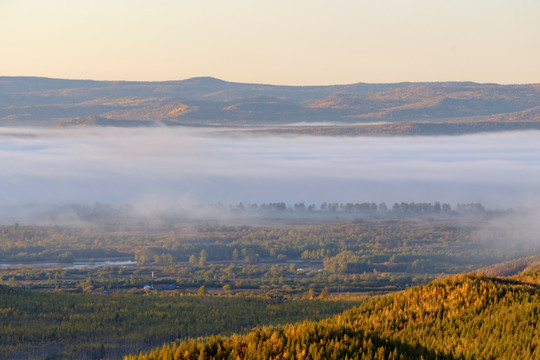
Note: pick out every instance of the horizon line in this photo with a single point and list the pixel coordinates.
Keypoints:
(213, 78)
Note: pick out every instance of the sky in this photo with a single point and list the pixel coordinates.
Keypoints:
(301, 42)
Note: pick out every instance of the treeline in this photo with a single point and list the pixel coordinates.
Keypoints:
(462, 317)
(360, 208)
(128, 215)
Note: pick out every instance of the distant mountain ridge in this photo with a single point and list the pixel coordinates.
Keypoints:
(206, 101)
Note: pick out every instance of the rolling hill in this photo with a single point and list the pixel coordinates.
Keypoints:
(460, 317)
(431, 108)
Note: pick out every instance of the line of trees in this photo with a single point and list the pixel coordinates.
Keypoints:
(105, 213)
(360, 208)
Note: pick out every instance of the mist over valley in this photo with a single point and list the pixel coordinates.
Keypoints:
(154, 169)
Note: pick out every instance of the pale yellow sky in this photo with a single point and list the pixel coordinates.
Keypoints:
(280, 42)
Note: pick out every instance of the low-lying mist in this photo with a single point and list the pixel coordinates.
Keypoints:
(154, 169)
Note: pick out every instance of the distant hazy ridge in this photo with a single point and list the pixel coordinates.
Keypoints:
(441, 108)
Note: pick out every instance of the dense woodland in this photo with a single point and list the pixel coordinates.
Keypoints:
(380, 238)
(460, 317)
(355, 255)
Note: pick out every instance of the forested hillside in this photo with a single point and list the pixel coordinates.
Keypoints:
(460, 317)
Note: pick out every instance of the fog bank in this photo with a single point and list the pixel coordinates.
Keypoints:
(157, 167)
